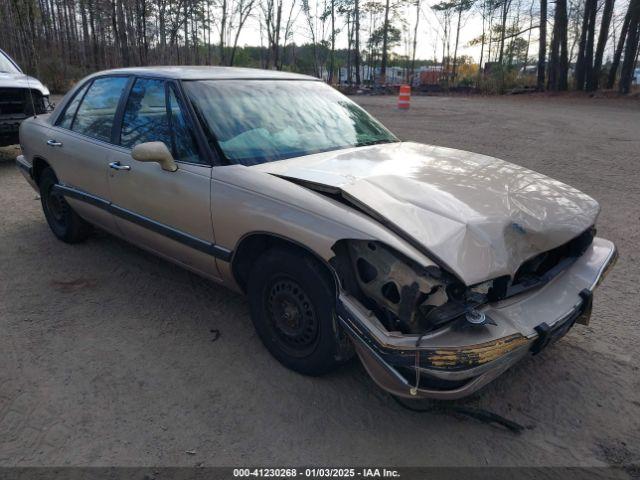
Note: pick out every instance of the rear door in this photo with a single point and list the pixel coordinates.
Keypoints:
(166, 212)
(80, 144)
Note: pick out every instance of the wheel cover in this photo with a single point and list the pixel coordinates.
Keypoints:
(292, 317)
(57, 207)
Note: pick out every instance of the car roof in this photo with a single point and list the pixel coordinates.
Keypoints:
(207, 73)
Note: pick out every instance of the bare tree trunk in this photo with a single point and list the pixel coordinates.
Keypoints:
(415, 41)
(505, 10)
(85, 31)
(489, 46)
(559, 61)
(588, 56)
(122, 31)
(162, 29)
(276, 42)
(594, 79)
(288, 28)
(526, 54)
(585, 50)
(482, 42)
(94, 38)
(613, 71)
(356, 12)
(631, 48)
(332, 57)
(349, 47)
(542, 46)
(385, 44)
(244, 10)
(194, 37)
(223, 24)
(455, 49)
(209, 48)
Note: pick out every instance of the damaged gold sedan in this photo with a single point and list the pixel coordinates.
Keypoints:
(439, 268)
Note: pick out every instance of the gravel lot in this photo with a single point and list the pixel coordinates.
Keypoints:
(108, 355)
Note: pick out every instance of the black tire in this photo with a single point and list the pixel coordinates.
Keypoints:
(63, 221)
(292, 304)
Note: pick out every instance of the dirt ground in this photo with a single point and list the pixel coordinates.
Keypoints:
(110, 356)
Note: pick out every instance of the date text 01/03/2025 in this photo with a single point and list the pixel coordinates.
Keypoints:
(315, 472)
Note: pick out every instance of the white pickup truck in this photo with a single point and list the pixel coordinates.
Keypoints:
(20, 97)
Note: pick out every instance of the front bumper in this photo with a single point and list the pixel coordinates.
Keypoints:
(9, 129)
(458, 360)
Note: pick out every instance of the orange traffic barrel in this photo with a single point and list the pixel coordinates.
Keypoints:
(404, 98)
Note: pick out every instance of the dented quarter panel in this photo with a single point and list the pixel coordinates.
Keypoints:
(482, 217)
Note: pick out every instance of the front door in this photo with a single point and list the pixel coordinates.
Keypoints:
(80, 144)
(166, 212)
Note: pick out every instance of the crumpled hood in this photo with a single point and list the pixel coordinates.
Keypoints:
(480, 216)
(20, 80)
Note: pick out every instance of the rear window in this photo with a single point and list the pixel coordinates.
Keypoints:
(98, 108)
(67, 117)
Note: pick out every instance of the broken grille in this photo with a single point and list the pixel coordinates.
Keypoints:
(542, 268)
(18, 102)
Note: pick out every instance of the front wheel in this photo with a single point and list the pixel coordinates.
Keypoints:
(63, 221)
(292, 308)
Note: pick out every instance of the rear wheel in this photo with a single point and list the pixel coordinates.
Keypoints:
(63, 221)
(292, 307)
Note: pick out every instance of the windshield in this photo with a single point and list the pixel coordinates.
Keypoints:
(6, 65)
(259, 121)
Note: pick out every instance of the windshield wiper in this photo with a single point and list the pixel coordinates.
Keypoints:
(366, 143)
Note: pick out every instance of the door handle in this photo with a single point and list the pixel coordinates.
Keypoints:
(54, 143)
(118, 166)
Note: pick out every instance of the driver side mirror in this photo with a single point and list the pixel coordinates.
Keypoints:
(155, 152)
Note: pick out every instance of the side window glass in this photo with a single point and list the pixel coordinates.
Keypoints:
(97, 110)
(65, 120)
(145, 116)
(183, 144)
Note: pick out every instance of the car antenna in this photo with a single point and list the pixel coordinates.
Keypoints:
(33, 105)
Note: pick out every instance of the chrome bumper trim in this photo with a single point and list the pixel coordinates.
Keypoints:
(27, 171)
